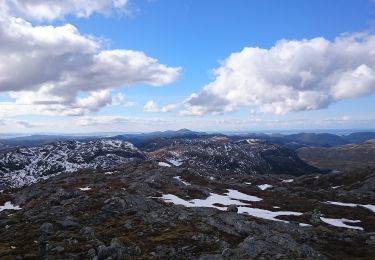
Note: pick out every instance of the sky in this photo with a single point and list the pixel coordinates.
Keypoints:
(83, 66)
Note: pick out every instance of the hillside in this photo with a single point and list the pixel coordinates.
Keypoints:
(24, 166)
(144, 210)
(216, 155)
(340, 157)
(220, 155)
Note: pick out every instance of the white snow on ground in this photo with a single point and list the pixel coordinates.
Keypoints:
(264, 186)
(276, 207)
(353, 205)
(235, 194)
(370, 207)
(9, 205)
(287, 180)
(175, 162)
(164, 164)
(341, 222)
(232, 197)
(247, 183)
(176, 200)
(341, 204)
(181, 180)
(335, 187)
(85, 188)
(108, 173)
(305, 225)
(267, 214)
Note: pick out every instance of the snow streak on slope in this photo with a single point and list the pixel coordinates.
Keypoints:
(28, 165)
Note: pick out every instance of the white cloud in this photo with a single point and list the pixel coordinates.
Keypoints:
(29, 103)
(58, 9)
(121, 100)
(291, 76)
(49, 67)
(152, 107)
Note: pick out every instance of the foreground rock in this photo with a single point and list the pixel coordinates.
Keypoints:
(122, 214)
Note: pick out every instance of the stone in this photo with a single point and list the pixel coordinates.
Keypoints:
(232, 208)
(47, 228)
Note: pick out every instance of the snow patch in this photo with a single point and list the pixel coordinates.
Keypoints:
(181, 180)
(287, 180)
(353, 205)
(235, 194)
(267, 214)
(370, 207)
(175, 162)
(232, 197)
(164, 164)
(341, 222)
(85, 189)
(9, 205)
(264, 186)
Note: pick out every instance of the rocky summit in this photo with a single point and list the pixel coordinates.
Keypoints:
(106, 199)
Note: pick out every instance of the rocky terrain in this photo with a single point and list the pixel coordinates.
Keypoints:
(210, 155)
(182, 197)
(340, 157)
(24, 166)
(222, 155)
(147, 210)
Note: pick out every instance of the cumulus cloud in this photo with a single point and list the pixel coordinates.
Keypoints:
(28, 103)
(291, 76)
(50, 66)
(152, 107)
(121, 100)
(52, 9)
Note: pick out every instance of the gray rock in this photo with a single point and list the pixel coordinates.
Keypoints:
(227, 252)
(315, 217)
(58, 249)
(91, 253)
(163, 251)
(88, 233)
(69, 222)
(47, 228)
(232, 208)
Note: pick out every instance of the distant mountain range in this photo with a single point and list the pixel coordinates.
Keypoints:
(145, 140)
(210, 151)
(212, 155)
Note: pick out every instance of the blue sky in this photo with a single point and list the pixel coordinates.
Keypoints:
(198, 36)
